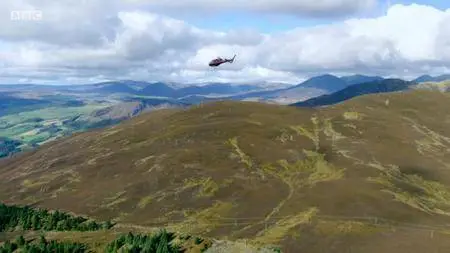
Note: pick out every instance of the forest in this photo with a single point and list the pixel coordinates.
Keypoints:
(158, 243)
(26, 218)
(43, 245)
(14, 218)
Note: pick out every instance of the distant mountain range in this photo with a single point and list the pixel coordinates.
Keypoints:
(428, 78)
(377, 86)
(48, 112)
(313, 87)
(160, 89)
(309, 92)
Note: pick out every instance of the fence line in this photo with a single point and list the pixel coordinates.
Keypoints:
(241, 221)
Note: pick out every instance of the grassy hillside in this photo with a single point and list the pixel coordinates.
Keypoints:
(443, 86)
(28, 229)
(368, 175)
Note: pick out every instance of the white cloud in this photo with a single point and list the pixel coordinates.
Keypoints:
(318, 8)
(97, 41)
(64, 22)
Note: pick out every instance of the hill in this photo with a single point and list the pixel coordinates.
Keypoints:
(113, 87)
(215, 89)
(162, 89)
(10, 104)
(313, 87)
(42, 230)
(443, 86)
(158, 89)
(380, 86)
(355, 79)
(428, 78)
(364, 175)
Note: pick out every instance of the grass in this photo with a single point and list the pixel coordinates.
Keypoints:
(439, 86)
(312, 135)
(337, 228)
(413, 190)
(145, 201)
(224, 176)
(113, 201)
(353, 116)
(244, 158)
(50, 113)
(122, 238)
(278, 231)
(431, 142)
(36, 127)
(239, 247)
(202, 222)
(207, 186)
(307, 172)
(330, 132)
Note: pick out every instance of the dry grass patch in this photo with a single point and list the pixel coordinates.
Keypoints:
(339, 228)
(200, 222)
(281, 228)
(244, 158)
(145, 201)
(428, 196)
(353, 116)
(208, 187)
(114, 200)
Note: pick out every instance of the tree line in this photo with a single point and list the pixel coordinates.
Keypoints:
(14, 217)
(157, 243)
(42, 246)
(127, 243)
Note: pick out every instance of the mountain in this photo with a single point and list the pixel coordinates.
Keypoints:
(11, 104)
(157, 89)
(215, 89)
(113, 87)
(360, 176)
(116, 113)
(312, 87)
(428, 78)
(355, 79)
(196, 99)
(325, 82)
(381, 86)
(161, 89)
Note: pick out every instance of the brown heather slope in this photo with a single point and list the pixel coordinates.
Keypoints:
(307, 179)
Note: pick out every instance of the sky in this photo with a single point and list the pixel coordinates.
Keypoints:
(86, 41)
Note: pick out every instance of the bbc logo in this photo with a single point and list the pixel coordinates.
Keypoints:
(26, 15)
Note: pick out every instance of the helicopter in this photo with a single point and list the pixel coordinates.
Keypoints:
(218, 61)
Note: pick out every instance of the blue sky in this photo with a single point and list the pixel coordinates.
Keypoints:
(265, 23)
(268, 23)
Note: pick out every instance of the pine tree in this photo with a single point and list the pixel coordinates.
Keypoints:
(35, 224)
(163, 243)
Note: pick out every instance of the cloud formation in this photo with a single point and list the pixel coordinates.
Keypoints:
(95, 41)
(310, 8)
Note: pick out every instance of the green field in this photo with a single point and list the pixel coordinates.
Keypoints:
(35, 127)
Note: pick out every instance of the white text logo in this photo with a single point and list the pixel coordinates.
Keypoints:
(26, 15)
